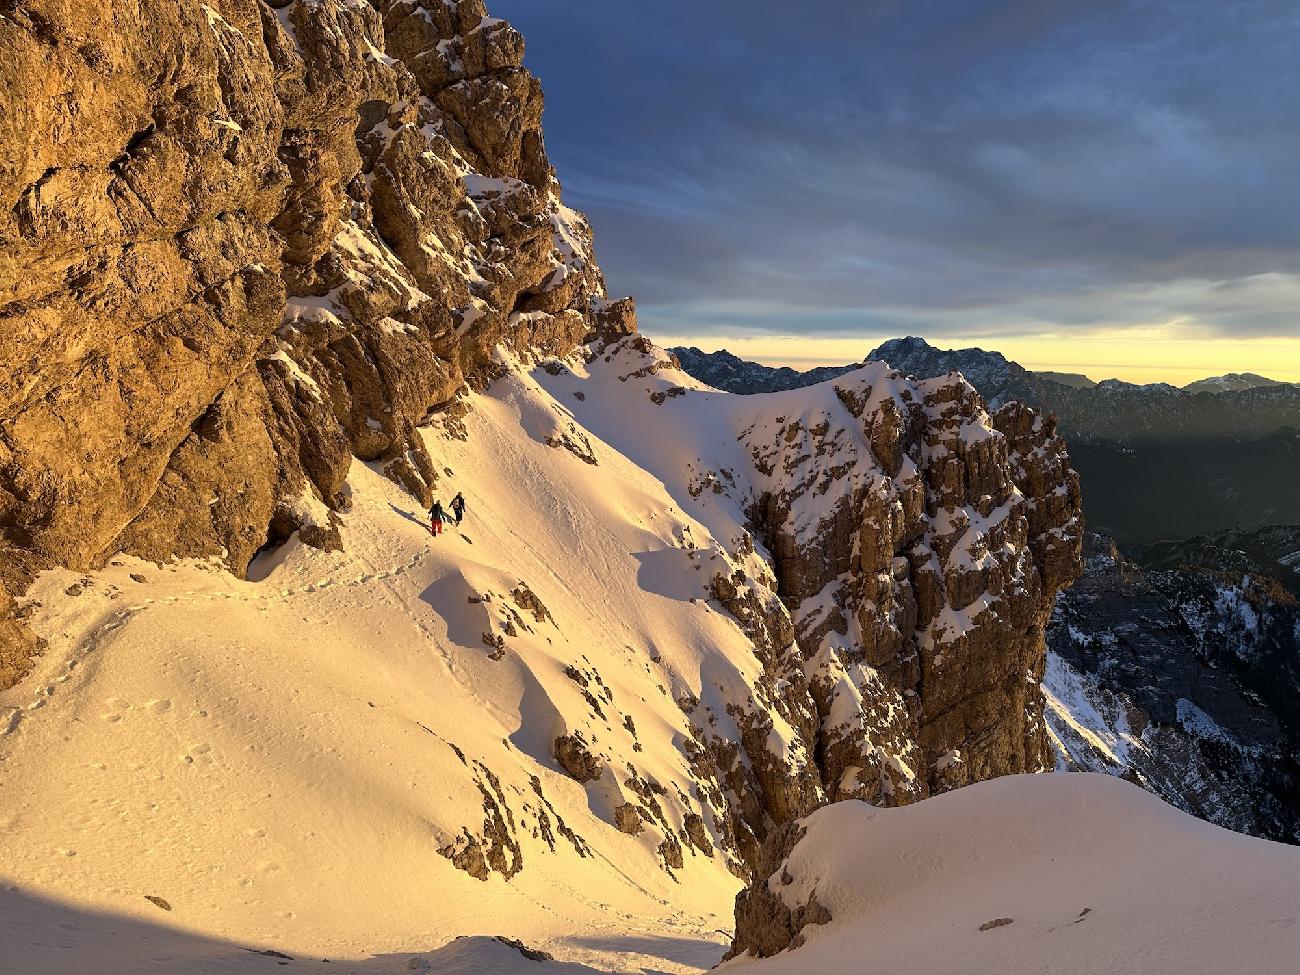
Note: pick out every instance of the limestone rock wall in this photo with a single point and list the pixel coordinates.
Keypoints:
(243, 242)
(918, 543)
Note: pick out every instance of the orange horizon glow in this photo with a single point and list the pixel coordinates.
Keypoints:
(1152, 355)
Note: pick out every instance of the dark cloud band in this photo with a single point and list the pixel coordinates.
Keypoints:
(831, 166)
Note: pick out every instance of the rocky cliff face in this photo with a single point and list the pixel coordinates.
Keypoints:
(244, 242)
(919, 544)
(909, 549)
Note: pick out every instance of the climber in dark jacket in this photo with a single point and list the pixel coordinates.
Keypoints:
(458, 507)
(436, 516)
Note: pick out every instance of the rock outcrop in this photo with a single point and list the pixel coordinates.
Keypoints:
(765, 924)
(920, 555)
(244, 242)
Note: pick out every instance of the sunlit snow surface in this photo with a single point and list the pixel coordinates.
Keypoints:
(1078, 874)
(280, 760)
(277, 760)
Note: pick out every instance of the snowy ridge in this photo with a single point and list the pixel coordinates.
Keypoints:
(385, 718)
(1066, 873)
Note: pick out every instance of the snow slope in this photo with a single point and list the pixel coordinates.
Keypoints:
(352, 755)
(1076, 874)
(281, 761)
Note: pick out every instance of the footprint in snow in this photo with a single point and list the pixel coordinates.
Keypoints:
(197, 753)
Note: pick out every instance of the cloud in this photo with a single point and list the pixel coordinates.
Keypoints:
(943, 166)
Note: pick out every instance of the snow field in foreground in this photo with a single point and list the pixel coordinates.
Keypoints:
(1078, 873)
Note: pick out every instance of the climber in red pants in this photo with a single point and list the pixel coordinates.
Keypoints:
(436, 516)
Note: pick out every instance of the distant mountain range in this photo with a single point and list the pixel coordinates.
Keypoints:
(1183, 674)
(1231, 381)
(728, 372)
(992, 373)
(1156, 461)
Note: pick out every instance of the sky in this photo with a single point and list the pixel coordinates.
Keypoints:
(1107, 187)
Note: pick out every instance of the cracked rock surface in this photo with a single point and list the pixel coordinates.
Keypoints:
(244, 242)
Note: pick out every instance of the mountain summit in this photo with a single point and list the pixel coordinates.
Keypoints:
(1230, 382)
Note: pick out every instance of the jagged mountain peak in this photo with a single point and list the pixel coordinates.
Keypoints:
(915, 345)
(725, 371)
(996, 377)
